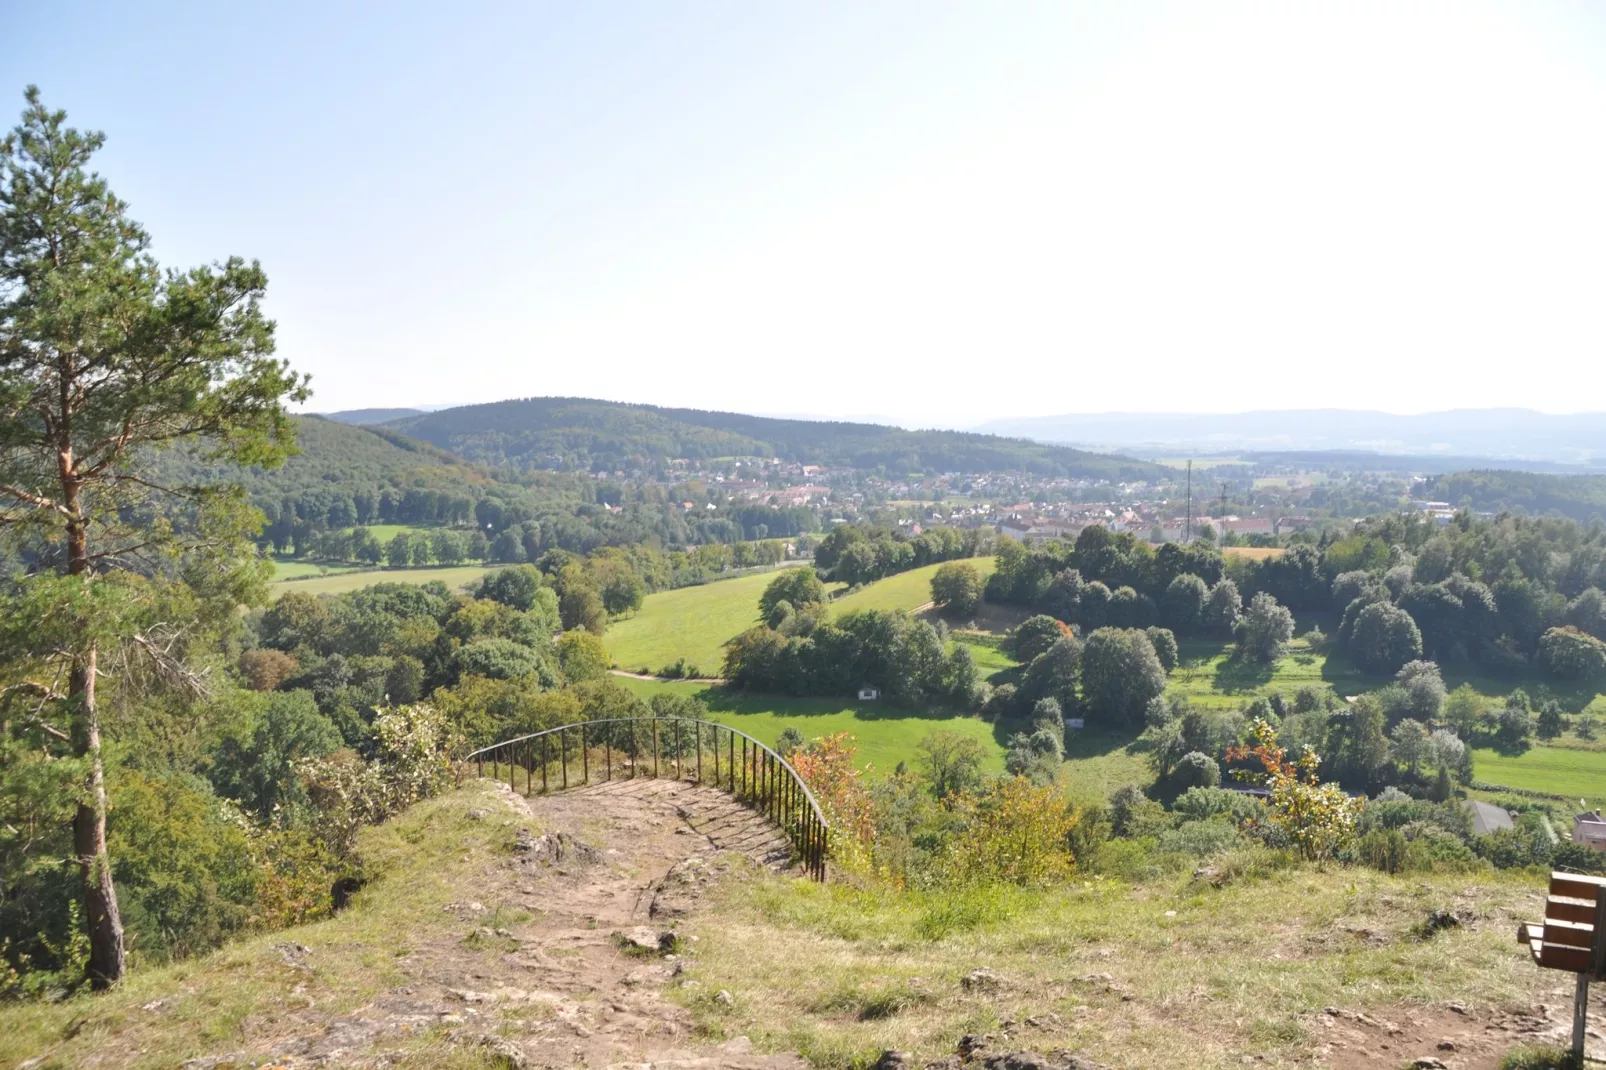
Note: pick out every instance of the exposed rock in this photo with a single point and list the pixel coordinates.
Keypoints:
(981, 979)
(294, 955)
(504, 1054)
(723, 998)
(1427, 1062)
(1058, 1059)
(1438, 921)
(552, 847)
(647, 941)
(892, 1059)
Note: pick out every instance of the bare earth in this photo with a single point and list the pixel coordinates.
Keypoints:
(562, 987)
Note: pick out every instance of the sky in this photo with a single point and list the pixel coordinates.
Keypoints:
(928, 212)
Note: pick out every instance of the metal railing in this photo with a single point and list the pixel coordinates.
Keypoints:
(635, 747)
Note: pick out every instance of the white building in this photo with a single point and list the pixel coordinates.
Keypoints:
(1590, 830)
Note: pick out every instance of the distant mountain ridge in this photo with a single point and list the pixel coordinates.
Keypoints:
(1500, 434)
(584, 433)
(362, 417)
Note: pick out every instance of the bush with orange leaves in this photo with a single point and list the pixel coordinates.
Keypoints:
(826, 766)
(1319, 818)
(1015, 832)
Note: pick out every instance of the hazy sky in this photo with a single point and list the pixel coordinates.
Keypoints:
(940, 213)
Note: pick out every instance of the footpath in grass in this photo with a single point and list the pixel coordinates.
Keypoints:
(886, 735)
(455, 577)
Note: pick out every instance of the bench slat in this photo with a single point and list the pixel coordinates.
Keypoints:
(1561, 957)
(1569, 933)
(1570, 908)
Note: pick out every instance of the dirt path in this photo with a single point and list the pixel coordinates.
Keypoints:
(541, 971)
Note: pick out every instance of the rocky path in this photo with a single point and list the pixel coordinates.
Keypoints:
(564, 947)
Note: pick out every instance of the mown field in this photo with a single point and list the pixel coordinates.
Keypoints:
(1576, 774)
(455, 577)
(691, 623)
(694, 622)
(885, 734)
(906, 590)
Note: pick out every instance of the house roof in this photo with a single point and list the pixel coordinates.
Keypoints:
(1487, 818)
(1591, 817)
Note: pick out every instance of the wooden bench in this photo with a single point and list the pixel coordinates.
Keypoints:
(1572, 938)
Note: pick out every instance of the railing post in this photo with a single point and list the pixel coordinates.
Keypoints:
(563, 753)
(679, 772)
(697, 731)
(607, 750)
(730, 766)
(715, 734)
(655, 747)
(585, 756)
(512, 769)
(546, 760)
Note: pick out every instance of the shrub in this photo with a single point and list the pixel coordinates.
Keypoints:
(1196, 770)
(1319, 818)
(1570, 654)
(1165, 647)
(1264, 631)
(1016, 832)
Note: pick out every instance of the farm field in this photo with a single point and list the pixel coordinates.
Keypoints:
(692, 622)
(1254, 553)
(288, 568)
(341, 582)
(1577, 774)
(886, 735)
(906, 590)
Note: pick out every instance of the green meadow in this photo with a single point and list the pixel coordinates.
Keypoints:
(694, 622)
(691, 623)
(885, 734)
(456, 577)
(907, 590)
(1575, 774)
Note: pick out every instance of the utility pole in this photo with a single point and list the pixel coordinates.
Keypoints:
(1187, 532)
(1223, 499)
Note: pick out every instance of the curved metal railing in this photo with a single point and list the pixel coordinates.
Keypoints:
(754, 774)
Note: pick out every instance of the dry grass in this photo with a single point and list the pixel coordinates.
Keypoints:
(1254, 553)
(1242, 971)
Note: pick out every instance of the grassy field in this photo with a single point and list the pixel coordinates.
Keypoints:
(1254, 553)
(288, 568)
(1577, 774)
(694, 622)
(906, 590)
(886, 735)
(455, 577)
(691, 623)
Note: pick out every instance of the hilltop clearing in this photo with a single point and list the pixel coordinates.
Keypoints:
(500, 932)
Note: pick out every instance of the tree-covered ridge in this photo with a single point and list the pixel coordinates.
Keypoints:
(1581, 497)
(581, 433)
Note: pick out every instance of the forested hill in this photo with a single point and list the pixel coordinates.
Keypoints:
(370, 416)
(1581, 497)
(579, 433)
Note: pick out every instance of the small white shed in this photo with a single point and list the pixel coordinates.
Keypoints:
(868, 693)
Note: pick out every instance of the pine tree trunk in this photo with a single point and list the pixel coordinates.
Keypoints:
(104, 922)
(101, 916)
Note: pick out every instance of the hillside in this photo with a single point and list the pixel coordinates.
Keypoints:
(369, 416)
(1581, 497)
(488, 935)
(579, 433)
(333, 454)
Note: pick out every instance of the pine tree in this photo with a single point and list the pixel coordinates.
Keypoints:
(106, 361)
